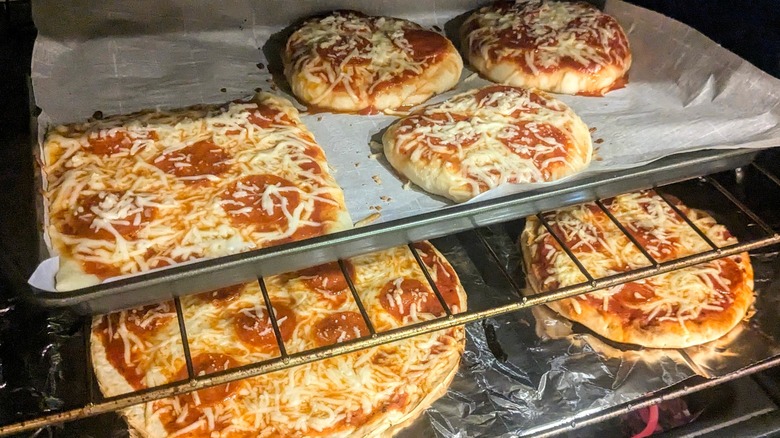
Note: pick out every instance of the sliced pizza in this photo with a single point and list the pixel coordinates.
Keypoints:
(372, 392)
(556, 46)
(132, 193)
(482, 138)
(348, 61)
(676, 309)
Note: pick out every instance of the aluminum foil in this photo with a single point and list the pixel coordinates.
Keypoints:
(533, 372)
(685, 92)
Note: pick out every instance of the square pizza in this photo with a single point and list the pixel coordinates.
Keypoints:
(127, 194)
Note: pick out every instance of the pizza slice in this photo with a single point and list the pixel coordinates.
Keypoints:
(348, 61)
(128, 194)
(372, 392)
(561, 47)
(676, 309)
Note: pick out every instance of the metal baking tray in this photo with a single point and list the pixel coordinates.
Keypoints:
(211, 274)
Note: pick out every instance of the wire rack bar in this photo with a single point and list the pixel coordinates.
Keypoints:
(566, 248)
(185, 343)
(356, 297)
(428, 277)
(687, 220)
(272, 317)
(627, 233)
(742, 207)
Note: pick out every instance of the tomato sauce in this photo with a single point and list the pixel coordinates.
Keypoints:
(266, 116)
(143, 323)
(80, 223)
(202, 364)
(221, 296)
(426, 45)
(526, 138)
(340, 327)
(398, 300)
(247, 203)
(197, 159)
(446, 278)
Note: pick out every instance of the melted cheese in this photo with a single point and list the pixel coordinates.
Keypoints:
(680, 295)
(319, 396)
(189, 220)
(552, 32)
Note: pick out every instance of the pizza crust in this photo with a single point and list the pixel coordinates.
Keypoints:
(329, 92)
(454, 180)
(663, 334)
(496, 46)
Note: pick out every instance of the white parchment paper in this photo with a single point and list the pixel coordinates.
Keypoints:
(685, 92)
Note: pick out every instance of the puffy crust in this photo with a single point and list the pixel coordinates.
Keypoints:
(436, 175)
(510, 62)
(436, 76)
(564, 80)
(662, 334)
(144, 422)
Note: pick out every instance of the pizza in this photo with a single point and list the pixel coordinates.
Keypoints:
(676, 309)
(556, 46)
(371, 392)
(351, 62)
(482, 138)
(132, 193)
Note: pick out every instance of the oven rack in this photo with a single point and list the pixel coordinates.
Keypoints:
(219, 272)
(98, 405)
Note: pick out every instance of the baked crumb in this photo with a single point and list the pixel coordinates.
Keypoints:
(377, 179)
(368, 219)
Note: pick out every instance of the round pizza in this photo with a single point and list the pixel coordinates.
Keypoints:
(676, 309)
(128, 194)
(482, 138)
(557, 46)
(371, 392)
(348, 61)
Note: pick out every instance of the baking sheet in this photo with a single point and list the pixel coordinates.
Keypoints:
(685, 92)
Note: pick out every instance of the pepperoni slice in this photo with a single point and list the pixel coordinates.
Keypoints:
(94, 215)
(329, 280)
(340, 327)
(261, 200)
(254, 327)
(204, 364)
(407, 296)
(542, 143)
(223, 295)
(266, 116)
(425, 44)
(195, 161)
